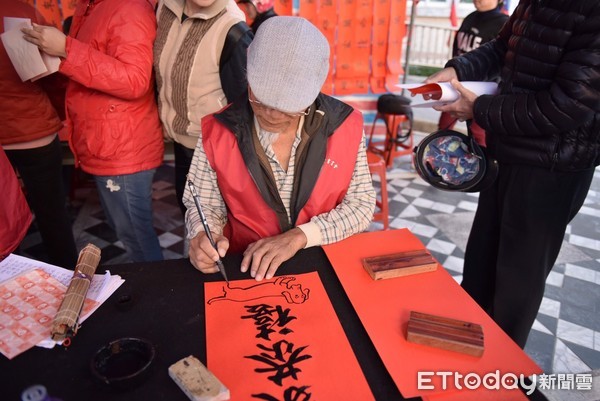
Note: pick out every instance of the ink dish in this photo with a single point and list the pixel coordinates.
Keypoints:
(123, 364)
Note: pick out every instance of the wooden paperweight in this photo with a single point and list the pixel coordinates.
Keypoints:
(399, 264)
(445, 333)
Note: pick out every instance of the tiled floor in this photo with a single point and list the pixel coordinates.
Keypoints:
(566, 335)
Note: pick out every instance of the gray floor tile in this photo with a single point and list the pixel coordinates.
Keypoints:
(537, 348)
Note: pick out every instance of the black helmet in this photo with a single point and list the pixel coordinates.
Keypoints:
(453, 161)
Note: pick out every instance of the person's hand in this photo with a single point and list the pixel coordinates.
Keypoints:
(264, 256)
(445, 75)
(461, 109)
(202, 254)
(47, 38)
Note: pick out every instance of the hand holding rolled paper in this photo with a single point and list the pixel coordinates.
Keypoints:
(442, 93)
(65, 323)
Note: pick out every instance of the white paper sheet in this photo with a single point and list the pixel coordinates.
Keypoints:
(101, 287)
(26, 58)
(52, 64)
(443, 92)
(14, 23)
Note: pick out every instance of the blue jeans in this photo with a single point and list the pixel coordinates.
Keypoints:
(127, 203)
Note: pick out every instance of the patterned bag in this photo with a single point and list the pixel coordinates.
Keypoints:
(452, 161)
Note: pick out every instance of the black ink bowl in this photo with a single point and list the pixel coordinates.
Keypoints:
(123, 364)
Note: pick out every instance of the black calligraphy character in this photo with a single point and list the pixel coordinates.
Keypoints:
(292, 393)
(277, 361)
(262, 315)
(262, 319)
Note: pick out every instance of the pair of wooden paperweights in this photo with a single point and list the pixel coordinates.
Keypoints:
(435, 331)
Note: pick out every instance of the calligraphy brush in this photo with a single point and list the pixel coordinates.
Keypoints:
(196, 197)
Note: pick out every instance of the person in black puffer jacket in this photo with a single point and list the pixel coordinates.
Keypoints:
(543, 127)
(479, 27)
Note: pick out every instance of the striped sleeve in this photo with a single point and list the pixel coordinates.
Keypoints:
(205, 180)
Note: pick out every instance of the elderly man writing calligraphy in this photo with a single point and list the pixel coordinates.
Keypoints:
(283, 168)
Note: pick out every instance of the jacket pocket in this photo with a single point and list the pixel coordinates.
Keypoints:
(109, 138)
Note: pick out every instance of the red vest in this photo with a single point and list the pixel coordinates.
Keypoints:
(250, 218)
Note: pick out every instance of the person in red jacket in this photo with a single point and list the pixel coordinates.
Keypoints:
(30, 123)
(15, 216)
(283, 168)
(112, 116)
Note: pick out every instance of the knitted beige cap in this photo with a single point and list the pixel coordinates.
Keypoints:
(288, 61)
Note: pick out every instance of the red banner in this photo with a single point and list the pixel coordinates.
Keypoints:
(345, 49)
(309, 10)
(365, 37)
(353, 50)
(381, 26)
(284, 7)
(50, 11)
(327, 21)
(68, 8)
(280, 339)
(384, 314)
(397, 30)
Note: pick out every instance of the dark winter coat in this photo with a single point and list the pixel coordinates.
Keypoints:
(548, 110)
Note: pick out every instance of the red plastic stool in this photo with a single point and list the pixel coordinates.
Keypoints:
(397, 115)
(377, 166)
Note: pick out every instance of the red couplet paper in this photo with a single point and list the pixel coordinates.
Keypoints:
(68, 8)
(50, 11)
(397, 31)
(308, 9)
(280, 339)
(381, 26)
(345, 50)
(431, 89)
(384, 307)
(284, 7)
(353, 47)
(327, 21)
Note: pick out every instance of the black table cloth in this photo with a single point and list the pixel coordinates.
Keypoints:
(164, 303)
